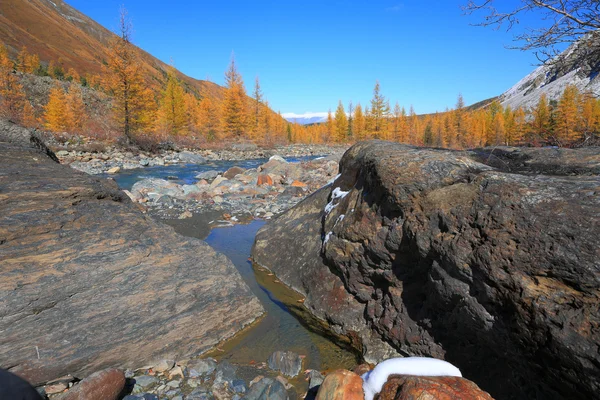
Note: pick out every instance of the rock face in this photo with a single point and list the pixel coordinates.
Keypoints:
(404, 387)
(88, 282)
(434, 254)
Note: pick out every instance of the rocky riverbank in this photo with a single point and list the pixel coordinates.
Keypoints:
(238, 194)
(434, 253)
(96, 158)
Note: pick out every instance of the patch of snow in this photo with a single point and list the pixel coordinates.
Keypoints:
(327, 238)
(340, 219)
(319, 158)
(336, 194)
(374, 380)
(234, 219)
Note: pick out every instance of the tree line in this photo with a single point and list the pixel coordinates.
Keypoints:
(140, 112)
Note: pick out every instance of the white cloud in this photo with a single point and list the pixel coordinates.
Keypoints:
(305, 115)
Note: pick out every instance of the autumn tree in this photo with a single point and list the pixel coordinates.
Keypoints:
(589, 122)
(567, 116)
(12, 97)
(256, 106)
(124, 78)
(359, 123)
(76, 114)
(235, 112)
(56, 110)
(208, 118)
(26, 62)
(380, 110)
(172, 117)
(330, 132)
(350, 120)
(341, 123)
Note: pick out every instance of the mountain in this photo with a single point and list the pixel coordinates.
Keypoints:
(56, 31)
(578, 65)
(306, 119)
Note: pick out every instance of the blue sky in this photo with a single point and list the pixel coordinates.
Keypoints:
(311, 54)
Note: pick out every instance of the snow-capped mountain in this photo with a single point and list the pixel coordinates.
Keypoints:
(306, 118)
(578, 65)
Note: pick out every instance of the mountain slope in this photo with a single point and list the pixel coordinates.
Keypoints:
(56, 31)
(578, 65)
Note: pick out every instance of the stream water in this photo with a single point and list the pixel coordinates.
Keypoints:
(279, 329)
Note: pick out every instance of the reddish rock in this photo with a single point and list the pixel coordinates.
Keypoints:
(232, 172)
(362, 369)
(297, 183)
(264, 179)
(103, 385)
(404, 387)
(341, 385)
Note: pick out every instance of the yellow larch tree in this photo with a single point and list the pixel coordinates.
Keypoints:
(208, 118)
(76, 113)
(172, 114)
(341, 124)
(26, 62)
(234, 112)
(28, 119)
(359, 123)
(589, 121)
(567, 116)
(414, 128)
(12, 97)
(133, 101)
(540, 124)
(56, 111)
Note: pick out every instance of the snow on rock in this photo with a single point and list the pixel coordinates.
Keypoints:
(336, 194)
(374, 380)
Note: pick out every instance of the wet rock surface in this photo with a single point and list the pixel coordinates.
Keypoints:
(87, 281)
(436, 254)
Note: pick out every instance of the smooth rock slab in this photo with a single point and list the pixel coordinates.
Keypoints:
(267, 389)
(88, 282)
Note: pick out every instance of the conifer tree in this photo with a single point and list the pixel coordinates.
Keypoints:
(208, 118)
(330, 127)
(234, 113)
(541, 119)
(172, 111)
(76, 114)
(350, 134)
(414, 128)
(341, 123)
(590, 115)
(258, 98)
(380, 110)
(28, 119)
(56, 111)
(12, 97)
(132, 99)
(359, 123)
(567, 116)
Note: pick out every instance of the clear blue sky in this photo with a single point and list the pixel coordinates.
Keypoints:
(310, 54)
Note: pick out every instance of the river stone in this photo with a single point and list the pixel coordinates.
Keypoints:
(145, 382)
(199, 394)
(442, 256)
(102, 385)
(341, 385)
(232, 172)
(85, 276)
(244, 147)
(287, 362)
(208, 175)
(405, 387)
(191, 158)
(226, 373)
(266, 389)
(201, 368)
(315, 378)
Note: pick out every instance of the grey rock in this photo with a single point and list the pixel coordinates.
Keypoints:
(433, 239)
(144, 162)
(208, 175)
(191, 158)
(199, 394)
(238, 386)
(201, 368)
(267, 389)
(128, 275)
(145, 382)
(225, 374)
(244, 147)
(315, 378)
(287, 362)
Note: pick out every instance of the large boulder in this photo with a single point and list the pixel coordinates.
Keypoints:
(88, 282)
(431, 253)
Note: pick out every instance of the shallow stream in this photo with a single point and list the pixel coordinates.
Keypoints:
(279, 329)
